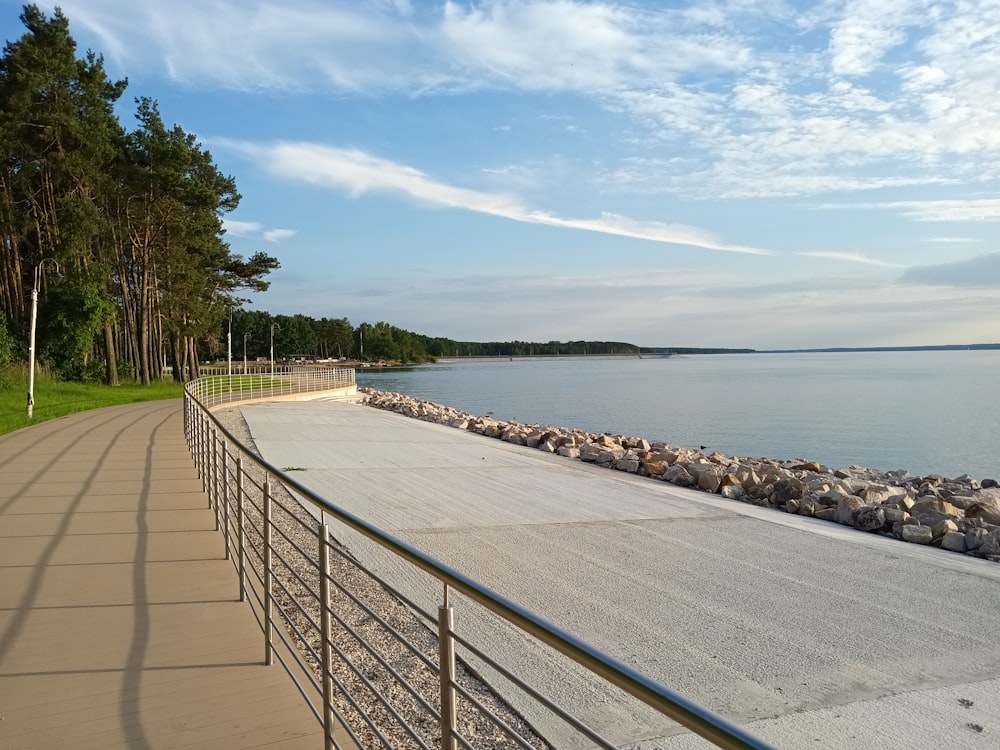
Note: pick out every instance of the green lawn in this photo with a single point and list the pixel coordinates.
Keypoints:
(56, 399)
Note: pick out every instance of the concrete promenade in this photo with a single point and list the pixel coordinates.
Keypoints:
(810, 634)
(120, 625)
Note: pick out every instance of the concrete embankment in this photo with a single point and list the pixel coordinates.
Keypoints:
(960, 515)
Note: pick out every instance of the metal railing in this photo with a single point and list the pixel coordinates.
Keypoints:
(376, 668)
(221, 387)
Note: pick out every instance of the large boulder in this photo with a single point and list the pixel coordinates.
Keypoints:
(847, 505)
(707, 475)
(869, 518)
(917, 534)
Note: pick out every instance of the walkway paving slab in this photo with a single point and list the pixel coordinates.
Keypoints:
(120, 625)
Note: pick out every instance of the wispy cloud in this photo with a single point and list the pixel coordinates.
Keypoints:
(971, 209)
(277, 235)
(981, 271)
(766, 98)
(356, 173)
(254, 230)
(850, 257)
(242, 228)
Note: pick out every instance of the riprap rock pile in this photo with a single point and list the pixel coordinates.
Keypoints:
(961, 515)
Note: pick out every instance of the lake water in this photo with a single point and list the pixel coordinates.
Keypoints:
(926, 412)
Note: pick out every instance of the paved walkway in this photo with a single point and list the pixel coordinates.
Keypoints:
(119, 620)
(810, 634)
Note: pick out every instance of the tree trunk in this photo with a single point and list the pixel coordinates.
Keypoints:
(110, 357)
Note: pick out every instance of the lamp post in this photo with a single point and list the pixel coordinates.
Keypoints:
(229, 352)
(273, 326)
(245, 352)
(31, 339)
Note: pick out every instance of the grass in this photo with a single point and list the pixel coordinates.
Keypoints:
(55, 398)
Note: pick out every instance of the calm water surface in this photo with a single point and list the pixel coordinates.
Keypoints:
(926, 412)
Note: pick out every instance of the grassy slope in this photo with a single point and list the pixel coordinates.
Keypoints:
(56, 399)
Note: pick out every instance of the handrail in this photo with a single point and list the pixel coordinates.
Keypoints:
(205, 432)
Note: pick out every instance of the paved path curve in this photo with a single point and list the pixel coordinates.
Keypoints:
(810, 634)
(119, 620)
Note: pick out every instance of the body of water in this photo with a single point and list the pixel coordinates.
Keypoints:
(926, 412)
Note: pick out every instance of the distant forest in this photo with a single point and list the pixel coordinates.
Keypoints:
(300, 336)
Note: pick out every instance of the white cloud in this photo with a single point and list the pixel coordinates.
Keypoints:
(356, 173)
(242, 228)
(867, 30)
(254, 230)
(762, 98)
(985, 209)
(277, 235)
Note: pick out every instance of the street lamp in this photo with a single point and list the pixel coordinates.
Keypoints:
(245, 352)
(31, 339)
(273, 326)
(229, 352)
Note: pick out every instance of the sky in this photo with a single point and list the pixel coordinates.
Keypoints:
(745, 173)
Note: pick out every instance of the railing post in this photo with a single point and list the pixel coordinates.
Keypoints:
(268, 583)
(225, 495)
(213, 496)
(241, 533)
(327, 633)
(446, 671)
(203, 453)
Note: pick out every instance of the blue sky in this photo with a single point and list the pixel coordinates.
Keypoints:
(748, 173)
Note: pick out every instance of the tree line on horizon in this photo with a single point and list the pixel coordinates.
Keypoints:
(120, 231)
(335, 338)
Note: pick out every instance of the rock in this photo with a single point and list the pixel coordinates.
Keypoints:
(732, 491)
(846, 506)
(656, 468)
(954, 541)
(787, 489)
(991, 544)
(589, 452)
(946, 526)
(893, 515)
(707, 475)
(933, 505)
(792, 505)
(569, 451)
(989, 484)
(825, 514)
(975, 537)
(917, 534)
(988, 512)
(869, 518)
(608, 457)
(629, 465)
(877, 494)
(679, 475)
(807, 466)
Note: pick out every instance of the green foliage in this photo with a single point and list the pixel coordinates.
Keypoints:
(7, 343)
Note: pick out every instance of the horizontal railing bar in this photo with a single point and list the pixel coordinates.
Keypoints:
(379, 697)
(385, 664)
(548, 703)
(510, 731)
